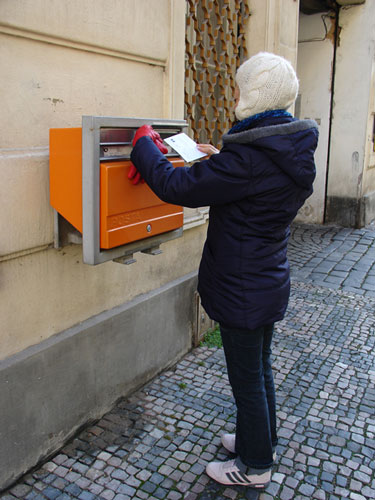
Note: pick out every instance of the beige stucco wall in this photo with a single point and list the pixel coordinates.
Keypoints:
(349, 175)
(314, 68)
(273, 27)
(48, 291)
(62, 60)
(368, 185)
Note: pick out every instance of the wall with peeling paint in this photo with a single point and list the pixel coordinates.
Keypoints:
(351, 178)
(275, 26)
(314, 69)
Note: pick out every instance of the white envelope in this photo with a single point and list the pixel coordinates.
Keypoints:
(185, 147)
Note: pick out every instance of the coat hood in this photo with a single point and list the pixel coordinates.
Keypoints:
(291, 146)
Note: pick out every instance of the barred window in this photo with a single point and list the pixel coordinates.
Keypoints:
(215, 47)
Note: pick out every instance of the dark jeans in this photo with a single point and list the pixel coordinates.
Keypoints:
(248, 356)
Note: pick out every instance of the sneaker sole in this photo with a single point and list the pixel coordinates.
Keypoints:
(247, 485)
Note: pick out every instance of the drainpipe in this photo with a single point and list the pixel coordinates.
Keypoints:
(336, 9)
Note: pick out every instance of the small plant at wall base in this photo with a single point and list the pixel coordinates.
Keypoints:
(212, 338)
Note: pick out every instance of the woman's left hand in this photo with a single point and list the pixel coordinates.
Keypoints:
(208, 149)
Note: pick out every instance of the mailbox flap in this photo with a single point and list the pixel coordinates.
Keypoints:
(132, 212)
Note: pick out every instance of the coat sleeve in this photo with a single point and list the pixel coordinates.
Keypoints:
(219, 180)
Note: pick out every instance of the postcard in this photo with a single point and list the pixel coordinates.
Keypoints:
(185, 147)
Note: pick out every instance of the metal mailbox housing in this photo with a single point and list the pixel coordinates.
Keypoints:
(115, 222)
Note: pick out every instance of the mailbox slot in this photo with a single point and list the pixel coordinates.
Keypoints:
(116, 144)
(90, 190)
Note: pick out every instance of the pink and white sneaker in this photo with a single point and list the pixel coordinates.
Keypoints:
(234, 472)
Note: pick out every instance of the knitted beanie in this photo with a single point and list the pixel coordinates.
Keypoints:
(266, 81)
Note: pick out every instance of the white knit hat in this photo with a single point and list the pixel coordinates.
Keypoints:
(266, 81)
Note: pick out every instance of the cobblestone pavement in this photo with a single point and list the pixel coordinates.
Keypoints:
(333, 257)
(156, 443)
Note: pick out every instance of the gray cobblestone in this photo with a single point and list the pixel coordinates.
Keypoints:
(155, 443)
(107, 494)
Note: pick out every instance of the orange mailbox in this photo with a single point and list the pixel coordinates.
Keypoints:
(90, 191)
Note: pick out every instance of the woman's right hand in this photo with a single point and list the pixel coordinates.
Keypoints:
(208, 149)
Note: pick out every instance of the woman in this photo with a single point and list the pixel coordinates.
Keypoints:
(254, 187)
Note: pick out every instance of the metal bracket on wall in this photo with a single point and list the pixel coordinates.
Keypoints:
(153, 251)
(126, 259)
(129, 259)
(64, 233)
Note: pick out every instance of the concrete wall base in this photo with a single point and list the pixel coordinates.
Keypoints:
(350, 212)
(50, 390)
(368, 208)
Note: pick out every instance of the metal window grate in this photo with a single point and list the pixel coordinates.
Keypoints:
(215, 47)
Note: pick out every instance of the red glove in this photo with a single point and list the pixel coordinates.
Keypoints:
(145, 131)
(134, 175)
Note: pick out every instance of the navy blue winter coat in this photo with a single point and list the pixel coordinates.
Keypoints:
(254, 188)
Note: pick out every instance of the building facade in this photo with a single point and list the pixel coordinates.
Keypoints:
(74, 338)
(336, 61)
